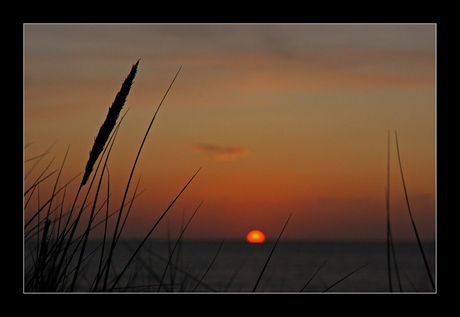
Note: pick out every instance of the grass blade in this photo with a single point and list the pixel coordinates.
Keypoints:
(344, 277)
(271, 253)
(311, 278)
(412, 219)
(37, 162)
(209, 267)
(39, 179)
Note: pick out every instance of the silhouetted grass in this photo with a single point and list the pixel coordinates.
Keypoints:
(56, 266)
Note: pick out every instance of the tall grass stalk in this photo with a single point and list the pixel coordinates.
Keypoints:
(105, 133)
(109, 123)
(115, 234)
(100, 141)
(411, 218)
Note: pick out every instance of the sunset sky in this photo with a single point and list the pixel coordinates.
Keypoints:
(282, 118)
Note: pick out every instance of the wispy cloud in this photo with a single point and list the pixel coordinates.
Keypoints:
(220, 153)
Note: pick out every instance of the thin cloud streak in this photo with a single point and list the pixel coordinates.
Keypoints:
(220, 153)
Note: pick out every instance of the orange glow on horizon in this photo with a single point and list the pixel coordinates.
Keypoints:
(255, 236)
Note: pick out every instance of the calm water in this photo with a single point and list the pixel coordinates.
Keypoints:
(238, 266)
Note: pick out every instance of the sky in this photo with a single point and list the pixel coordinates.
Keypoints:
(281, 118)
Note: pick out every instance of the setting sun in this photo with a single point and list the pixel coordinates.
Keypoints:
(255, 236)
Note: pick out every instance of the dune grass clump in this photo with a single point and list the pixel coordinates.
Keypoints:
(54, 263)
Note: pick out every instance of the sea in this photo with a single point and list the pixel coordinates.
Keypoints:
(242, 267)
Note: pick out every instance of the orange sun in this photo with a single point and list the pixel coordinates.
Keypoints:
(255, 236)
